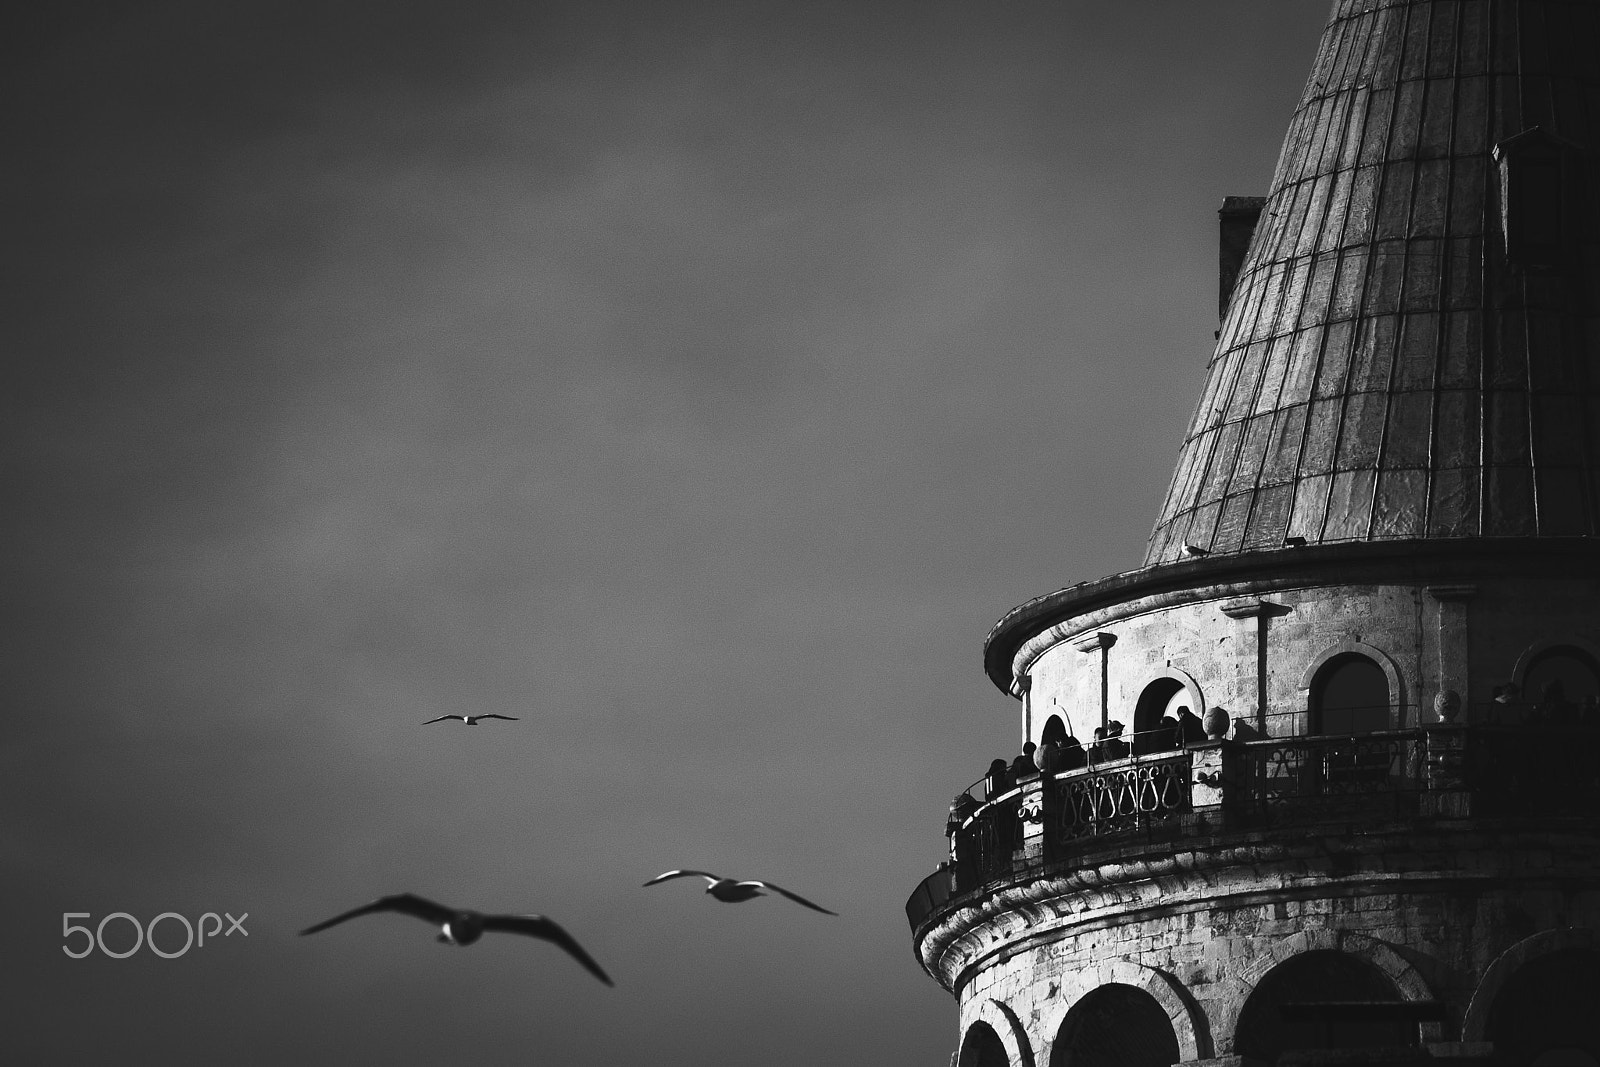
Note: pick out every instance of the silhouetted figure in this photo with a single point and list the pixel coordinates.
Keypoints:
(1169, 733)
(998, 780)
(1115, 747)
(1554, 707)
(1024, 764)
(1072, 754)
(1097, 750)
(1191, 730)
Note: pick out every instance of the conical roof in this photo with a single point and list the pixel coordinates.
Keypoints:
(1412, 348)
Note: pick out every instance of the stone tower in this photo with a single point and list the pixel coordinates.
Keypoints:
(1321, 780)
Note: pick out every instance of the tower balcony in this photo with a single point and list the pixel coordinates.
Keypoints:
(1220, 793)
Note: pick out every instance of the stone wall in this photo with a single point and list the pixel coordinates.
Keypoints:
(1433, 912)
(1254, 655)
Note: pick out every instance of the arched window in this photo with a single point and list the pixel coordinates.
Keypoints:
(1115, 1026)
(1572, 670)
(1161, 698)
(1282, 1012)
(982, 1048)
(1537, 205)
(1055, 731)
(1544, 1015)
(1350, 695)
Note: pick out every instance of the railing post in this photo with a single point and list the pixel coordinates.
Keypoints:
(1039, 809)
(1216, 771)
(1213, 770)
(964, 873)
(1449, 786)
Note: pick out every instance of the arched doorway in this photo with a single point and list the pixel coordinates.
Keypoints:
(1281, 1014)
(1115, 1026)
(982, 1047)
(1350, 695)
(1545, 1013)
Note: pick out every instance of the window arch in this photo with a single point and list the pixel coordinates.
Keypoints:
(982, 1047)
(1265, 1031)
(1350, 695)
(1055, 731)
(1571, 670)
(1544, 1014)
(1174, 694)
(1116, 1025)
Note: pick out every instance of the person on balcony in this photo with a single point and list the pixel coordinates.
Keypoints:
(1072, 754)
(1554, 709)
(1097, 749)
(1115, 747)
(1023, 765)
(998, 780)
(1169, 734)
(1191, 730)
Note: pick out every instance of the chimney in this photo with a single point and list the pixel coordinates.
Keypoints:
(1237, 217)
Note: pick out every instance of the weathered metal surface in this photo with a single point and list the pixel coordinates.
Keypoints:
(1390, 365)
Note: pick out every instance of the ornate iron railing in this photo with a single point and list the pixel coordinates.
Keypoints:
(930, 893)
(992, 836)
(999, 828)
(1309, 779)
(1123, 796)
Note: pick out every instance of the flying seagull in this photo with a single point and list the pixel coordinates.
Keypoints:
(465, 927)
(731, 892)
(471, 720)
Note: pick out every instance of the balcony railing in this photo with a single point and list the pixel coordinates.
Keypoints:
(1000, 828)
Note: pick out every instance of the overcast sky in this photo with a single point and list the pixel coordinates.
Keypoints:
(698, 382)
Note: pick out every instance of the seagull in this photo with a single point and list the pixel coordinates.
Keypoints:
(471, 720)
(1194, 550)
(731, 892)
(464, 927)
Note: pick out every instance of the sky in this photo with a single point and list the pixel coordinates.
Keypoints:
(695, 381)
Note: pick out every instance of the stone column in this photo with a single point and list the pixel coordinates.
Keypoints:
(1253, 669)
(1098, 643)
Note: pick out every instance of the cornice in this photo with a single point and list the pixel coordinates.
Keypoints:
(1111, 890)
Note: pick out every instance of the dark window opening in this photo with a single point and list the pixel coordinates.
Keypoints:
(1562, 675)
(1537, 205)
(1350, 695)
(982, 1048)
(1158, 717)
(1055, 731)
(1116, 1026)
(1267, 1030)
(1545, 1014)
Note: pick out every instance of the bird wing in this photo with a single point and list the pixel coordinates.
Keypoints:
(546, 930)
(796, 897)
(684, 874)
(442, 718)
(492, 715)
(405, 903)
